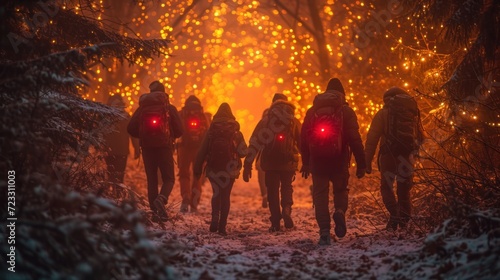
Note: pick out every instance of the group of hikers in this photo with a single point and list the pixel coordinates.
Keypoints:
(214, 148)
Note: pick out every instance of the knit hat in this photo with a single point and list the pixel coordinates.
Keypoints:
(279, 96)
(156, 86)
(335, 84)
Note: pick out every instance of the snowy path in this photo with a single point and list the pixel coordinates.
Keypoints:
(249, 251)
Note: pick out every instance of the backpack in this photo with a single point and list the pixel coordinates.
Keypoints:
(154, 124)
(222, 146)
(402, 124)
(281, 148)
(195, 126)
(326, 132)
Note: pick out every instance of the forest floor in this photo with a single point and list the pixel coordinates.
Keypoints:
(249, 251)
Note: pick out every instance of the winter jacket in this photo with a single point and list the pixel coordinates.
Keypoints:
(376, 133)
(224, 114)
(264, 134)
(154, 98)
(351, 140)
(117, 140)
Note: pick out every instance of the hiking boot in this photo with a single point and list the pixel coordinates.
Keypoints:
(222, 231)
(340, 226)
(324, 238)
(184, 207)
(159, 205)
(287, 217)
(264, 202)
(274, 229)
(403, 224)
(392, 224)
(222, 226)
(194, 209)
(214, 223)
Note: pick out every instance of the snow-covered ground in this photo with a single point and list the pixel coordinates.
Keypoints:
(250, 251)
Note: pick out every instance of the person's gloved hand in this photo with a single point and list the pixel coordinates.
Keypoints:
(305, 171)
(360, 172)
(369, 169)
(247, 174)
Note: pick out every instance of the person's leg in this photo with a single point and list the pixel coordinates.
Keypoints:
(149, 157)
(340, 200)
(184, 162)
(262, 185)
(272, 179)
(225, 195)
(286, 178)
(120, 165)
(340, 190)
(110, 167)
(320, 199)
(166, 165)
(216, 205)
(196, 184)
(404, 182)
(388, 171)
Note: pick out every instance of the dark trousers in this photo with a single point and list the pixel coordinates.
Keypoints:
(116, 165)
(221, 200)
(276, 181)
(162, 159)
(190, 190)
(261, 176)
(321, 195)
(399, 169)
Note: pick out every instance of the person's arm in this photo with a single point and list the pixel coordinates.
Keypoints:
(373, 137)
(133, 125)
(137, 149)
(241, 145)
(304, 141)
(296, 132)
(175, 122)
(201, 156)
(255, 145)
(353, 138)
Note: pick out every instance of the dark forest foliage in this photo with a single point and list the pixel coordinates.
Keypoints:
(51, 138)
(462, 154)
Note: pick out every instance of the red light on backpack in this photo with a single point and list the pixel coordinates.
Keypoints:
(280, 137)
(323, 131)
(193, 123)
(154, 122)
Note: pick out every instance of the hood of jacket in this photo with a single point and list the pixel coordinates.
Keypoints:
(335, 84)
(224, 113)
(193, 103)
(283, 104)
